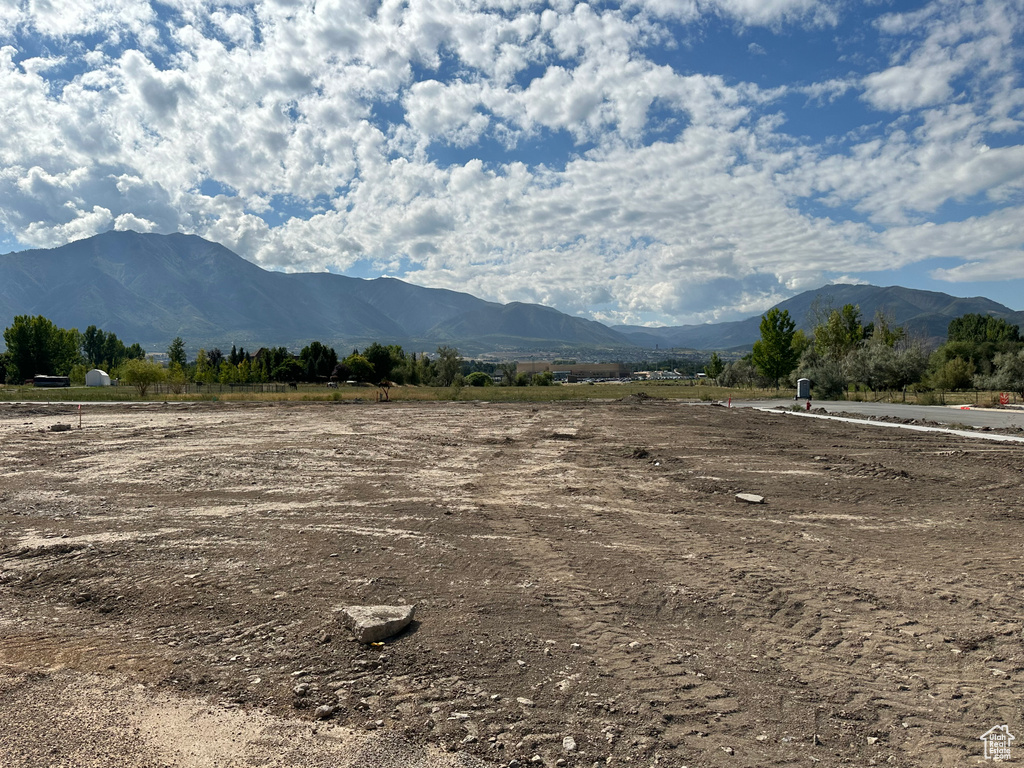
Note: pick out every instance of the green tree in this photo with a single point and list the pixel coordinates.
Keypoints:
(951, 375)
(714, 367)
(176, 378)
(425, 370)
(227, 373)
(740, 373)
(77, 375)
(774, 355)
(543, 379)
(204, 371)
(382, 359)
(479, 379)
(288, 369)
(176, 353)
(449, 365)
(978, 339)
(1010, 371)
(407, 370)
(141, 374)
(215, 356)
(888, 368)
(359, 368)
(104, 350)
(318, 361)
(828, 376)
(245, 371)
(979, 329)
(93, 344)
(508, 372)
(882, 331)
(36, 346)
(840, 333)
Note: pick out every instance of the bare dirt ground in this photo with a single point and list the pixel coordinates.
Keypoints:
(170, 574)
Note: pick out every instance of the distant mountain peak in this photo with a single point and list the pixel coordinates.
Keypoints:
(150, 288)
(925, 313)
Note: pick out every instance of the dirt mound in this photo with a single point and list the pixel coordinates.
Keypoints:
(640, 397)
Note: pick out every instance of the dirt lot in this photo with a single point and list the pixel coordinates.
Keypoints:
(170, 574)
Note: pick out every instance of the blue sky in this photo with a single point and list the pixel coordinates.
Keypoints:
(646, 161)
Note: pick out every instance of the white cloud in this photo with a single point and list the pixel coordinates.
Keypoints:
(133, 223)
(973, 40)
(446, 112)
(303, 136)
(955, 90)
(78, 224)
(771, 12)
(989, 247)
(908, 87)
(113, 18)
(747, 12)
(236, 26)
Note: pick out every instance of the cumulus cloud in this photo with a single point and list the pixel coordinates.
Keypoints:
(771, 12)
(132, 223)
(746, 12)
(986, 247)
(567, 153)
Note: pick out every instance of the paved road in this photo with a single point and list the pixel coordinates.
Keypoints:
(975, 417)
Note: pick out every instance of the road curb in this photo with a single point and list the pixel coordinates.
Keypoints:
(915, 427)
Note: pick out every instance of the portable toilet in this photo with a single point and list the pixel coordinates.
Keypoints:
(803, 389)
(97, 378)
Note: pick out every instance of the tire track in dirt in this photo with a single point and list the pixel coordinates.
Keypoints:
(827, 628)
(788, 631)
(668, 704)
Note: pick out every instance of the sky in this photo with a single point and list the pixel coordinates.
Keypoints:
(655, 162)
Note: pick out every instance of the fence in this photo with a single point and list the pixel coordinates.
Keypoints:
(163, 388)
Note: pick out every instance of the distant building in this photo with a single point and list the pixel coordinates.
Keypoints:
(97, 378)
(574, 370)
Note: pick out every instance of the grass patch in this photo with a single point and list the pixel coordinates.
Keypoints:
(669, 390)
(319, 393)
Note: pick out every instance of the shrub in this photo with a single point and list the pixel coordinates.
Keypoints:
(479, 379)
(141, 374)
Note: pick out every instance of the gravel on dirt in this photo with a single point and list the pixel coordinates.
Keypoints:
(588, 590)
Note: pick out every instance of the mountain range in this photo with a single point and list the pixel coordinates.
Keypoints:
(925, 314)
(149, 288)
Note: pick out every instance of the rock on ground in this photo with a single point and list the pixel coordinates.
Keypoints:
(373, 623)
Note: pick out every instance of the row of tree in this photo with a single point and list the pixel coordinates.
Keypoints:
(316, 362)
(35, 345)
(980, 351)
(841, 352)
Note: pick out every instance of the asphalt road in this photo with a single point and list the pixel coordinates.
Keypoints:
(950, 415)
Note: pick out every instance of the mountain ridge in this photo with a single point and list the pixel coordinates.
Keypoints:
(924, 313)
(150, 288)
